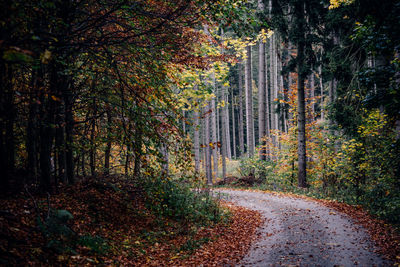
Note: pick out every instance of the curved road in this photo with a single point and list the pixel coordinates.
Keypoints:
(300, 232)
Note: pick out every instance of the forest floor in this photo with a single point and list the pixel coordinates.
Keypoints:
(300, 231)
(105, 223)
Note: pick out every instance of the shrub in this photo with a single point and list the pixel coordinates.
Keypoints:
(166, 197)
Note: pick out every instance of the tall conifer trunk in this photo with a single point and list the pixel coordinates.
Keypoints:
(249, 104)
(301, 121)
(207, 145)
(228, 134)
(233, 125)
(196, 126)
(261, 99)
(241, 127)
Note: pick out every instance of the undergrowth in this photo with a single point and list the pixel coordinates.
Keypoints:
(107, 221)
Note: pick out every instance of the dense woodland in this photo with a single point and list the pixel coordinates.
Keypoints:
(303, 95)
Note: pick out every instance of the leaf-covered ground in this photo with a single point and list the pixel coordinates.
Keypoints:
(113, 227)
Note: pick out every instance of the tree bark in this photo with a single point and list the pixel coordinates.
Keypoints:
(228, 134)
(261, 99)
(241, 127)
(233, 125)
(7, 119)
(196, 126)
(69, 134)
(138, 150)
(276, 82)
(92, 155)
(165, 160)
(223, 141)
(60, 145)
(302, 157)
(249, 105)
(207, 146)
(107, 152)
(321, 85)
(312, 94)
(214, 136)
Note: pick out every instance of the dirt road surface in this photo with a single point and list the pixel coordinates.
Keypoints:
(299, 232)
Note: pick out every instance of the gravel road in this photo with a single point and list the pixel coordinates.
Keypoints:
(300, 232)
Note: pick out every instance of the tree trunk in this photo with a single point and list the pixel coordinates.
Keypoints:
(276, 82)
(183, 123)
(138, 151)
(92, 141)
(214, 130)
(233, 125)
(32, 138)
(46, 141)
(60, 146)
(312, 94)
(69, 138)
(196, 126)
(223, 141)
(207, 146)
(302, 157)
(7, 119)
(321, 85)
(267, 105)
(249, 104)
(261, 99)
(228, 134)
(203, 140)
(165, 160)
(272, 83)
(241, 127)
(107, 152)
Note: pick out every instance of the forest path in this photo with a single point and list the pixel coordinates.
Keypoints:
(299, 232)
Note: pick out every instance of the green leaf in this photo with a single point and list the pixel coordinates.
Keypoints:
(16, 56)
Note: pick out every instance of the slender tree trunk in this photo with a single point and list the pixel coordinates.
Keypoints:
(32, 129)
(214, 136)
(267, 113)
(241, 127)
(83, 165)
(321, 86)
(165, 160)
(281, 91)
(137, 146)
(69, 137)
(203, 141)
(207, 146)
(7, 120)
(302, 156)
(196, 141)
(276, 81)
(127, 158)
(272, 83)
(249, 104)
(214, 126)
(60, 146)
(107, 152)
(46, 141)
(261, 99)
(312, 94)
(92, 156)
(223, 141)
(233, 125)
(183, 123)
(228, 134)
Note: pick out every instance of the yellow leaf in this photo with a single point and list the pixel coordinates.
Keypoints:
(55, 98)
(45, 57)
